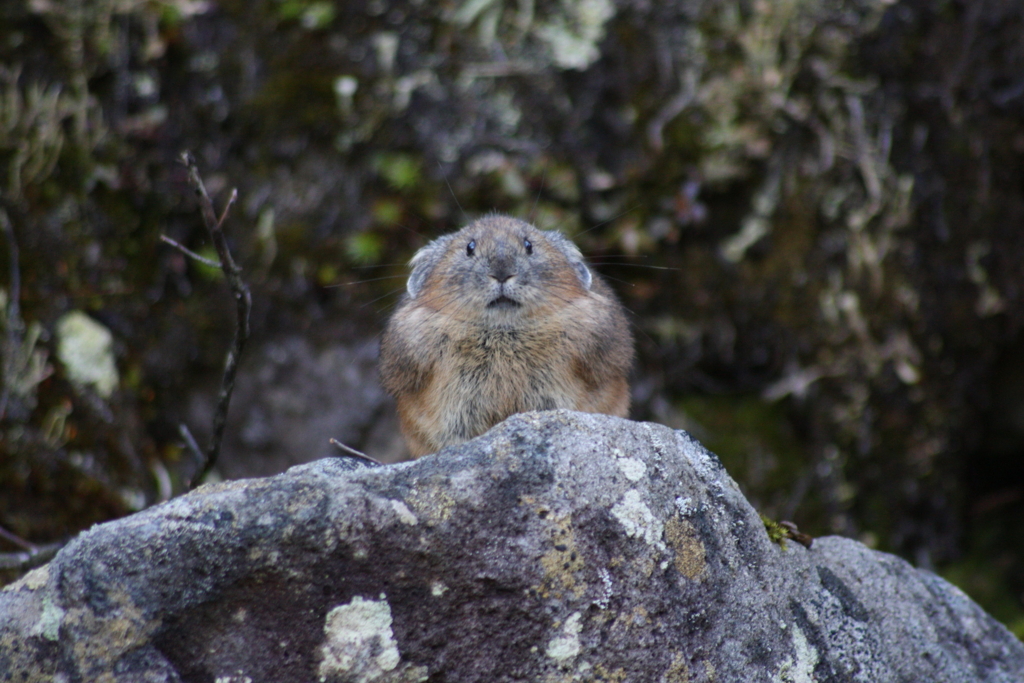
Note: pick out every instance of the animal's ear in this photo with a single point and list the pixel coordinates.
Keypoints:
(572, 253)
(423, 263)
(584, 274)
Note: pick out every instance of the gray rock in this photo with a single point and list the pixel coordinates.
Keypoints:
(558, 547)
(290, 398)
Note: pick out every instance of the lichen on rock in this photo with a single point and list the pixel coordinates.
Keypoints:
(548, 564)
(85, 347)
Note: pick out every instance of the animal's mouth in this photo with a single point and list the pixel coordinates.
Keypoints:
(503, 302)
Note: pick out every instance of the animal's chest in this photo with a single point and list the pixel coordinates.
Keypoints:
(489, 375)
(499, 349)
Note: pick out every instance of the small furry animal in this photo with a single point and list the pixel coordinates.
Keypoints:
(500, 318)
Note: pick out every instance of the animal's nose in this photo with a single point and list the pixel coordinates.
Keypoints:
(502, 269)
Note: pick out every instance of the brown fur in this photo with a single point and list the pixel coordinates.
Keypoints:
(458, 360)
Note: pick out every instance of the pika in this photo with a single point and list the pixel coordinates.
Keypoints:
(500, 318)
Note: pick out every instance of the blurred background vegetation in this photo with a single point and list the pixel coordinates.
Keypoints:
(814, 209)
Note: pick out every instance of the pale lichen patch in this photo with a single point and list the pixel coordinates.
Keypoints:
(122, 629)
(689, 549)
(638, 520)
(686, 506)
(573, 37)
(33, 581)
(634, 469)
(360, 645)
(48, 625)
(562, 562)
(678, 671)
(603, 673)
(405, 515)
(566, 645)
(86, 349)
(303, 503)
(432, 502)
(800, 667)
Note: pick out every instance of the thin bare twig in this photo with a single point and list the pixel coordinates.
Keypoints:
(352, 452)
(32, 556)
(163, 481)
(13, 321)
(188, 252)
(193, 447)
(16, 540)
(792, 532)
(243, 304)
(30, 559)
(673, 108)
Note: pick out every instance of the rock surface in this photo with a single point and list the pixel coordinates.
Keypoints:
(559, 546)
(290, 397)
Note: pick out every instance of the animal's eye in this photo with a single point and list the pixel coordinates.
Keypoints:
(529, 246)
(471, 247)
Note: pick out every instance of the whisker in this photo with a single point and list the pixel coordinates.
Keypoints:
(363, 282)
(632, 265)
(602, 223)
(445, 176)
(356, 357)
(393, 291)
(536, 200)
(430, 300)
(382, 265)
(606, 276)
(408, 229)
(634, 322)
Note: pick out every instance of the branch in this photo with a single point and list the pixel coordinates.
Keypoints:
(188, 252)
(194, 449)
(243, 304)
(16, 540)
(31, 557)
(13, 321)
(806, 540)
(353, 453)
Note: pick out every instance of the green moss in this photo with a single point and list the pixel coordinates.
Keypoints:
(740, 425)
(985, 581)
(276, 108)
(401, 171)
(205, 271)
(311, 15)
(776, 532)
(364, 247)
(326, 274)
(387, 212)
(756, 443)
(990, 571)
